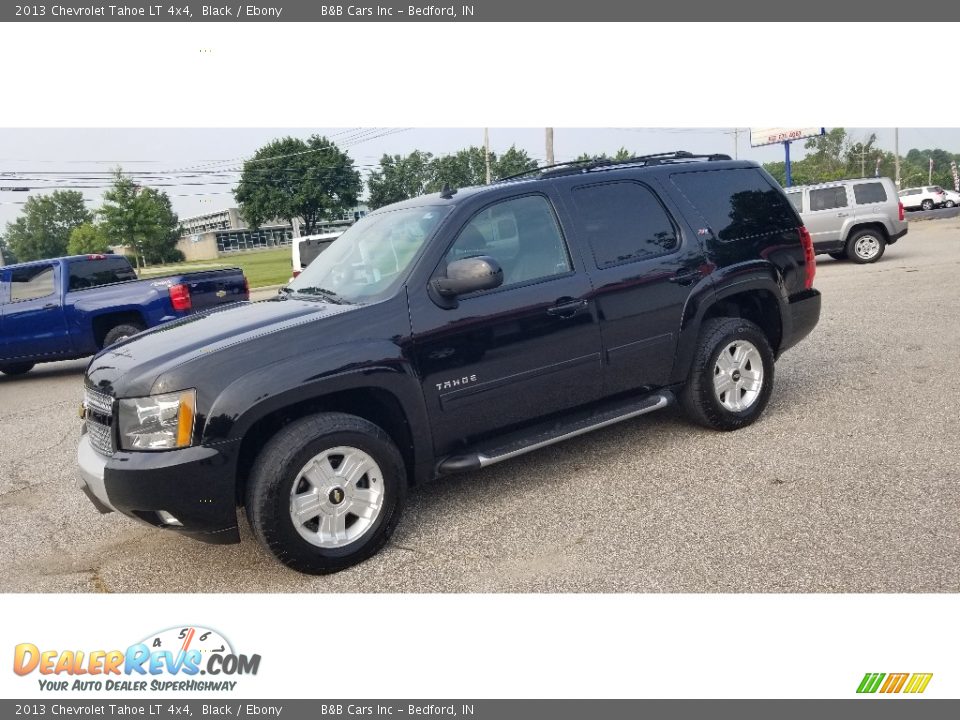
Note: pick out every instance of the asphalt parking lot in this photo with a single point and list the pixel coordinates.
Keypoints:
(849, 483)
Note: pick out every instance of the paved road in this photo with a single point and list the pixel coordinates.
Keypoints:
(939, 214)
(850, 482)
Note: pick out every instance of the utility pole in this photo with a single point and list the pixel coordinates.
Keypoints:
(550, 146)
(486, 151)
(896, 156)
(930, 173)
(736, 142)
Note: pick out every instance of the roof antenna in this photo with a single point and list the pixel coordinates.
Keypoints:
(446, 193)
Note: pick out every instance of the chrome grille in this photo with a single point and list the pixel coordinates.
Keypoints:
(99, 417)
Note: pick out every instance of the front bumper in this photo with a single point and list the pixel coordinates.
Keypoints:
(196, 486)
(801, 317)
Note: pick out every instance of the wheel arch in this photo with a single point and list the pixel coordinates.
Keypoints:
(104, 323)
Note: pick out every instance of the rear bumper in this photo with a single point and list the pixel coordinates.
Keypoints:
(896, 236)
(800, 318)
(195, 486)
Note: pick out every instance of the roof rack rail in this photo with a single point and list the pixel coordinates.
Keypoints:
(582, 166)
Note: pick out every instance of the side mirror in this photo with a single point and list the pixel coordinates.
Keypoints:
(469, 275)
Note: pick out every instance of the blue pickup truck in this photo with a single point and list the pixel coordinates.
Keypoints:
(72, 307)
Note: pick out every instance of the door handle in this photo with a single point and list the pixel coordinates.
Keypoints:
(842, 214)
(49, 305)
(684, 276)
(567, 308)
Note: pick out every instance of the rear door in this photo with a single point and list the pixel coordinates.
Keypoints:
(34, 324)
(526, 349)
(829, 208)
(644, 267)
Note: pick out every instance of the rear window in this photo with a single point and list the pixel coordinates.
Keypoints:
(796, 199)
(866, 193)
(624, 222)
(29, 283)
(911, 191)
(828, 198)
(85, 274)
(737, 203)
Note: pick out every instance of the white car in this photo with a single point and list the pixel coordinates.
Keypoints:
(923, 198)
(952, 198)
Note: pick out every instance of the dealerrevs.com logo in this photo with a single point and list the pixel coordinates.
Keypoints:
(892, 683)
(172, 659)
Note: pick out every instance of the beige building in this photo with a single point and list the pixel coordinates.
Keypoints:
(219, 234)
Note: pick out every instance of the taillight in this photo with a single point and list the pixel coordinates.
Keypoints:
(246, 286)
(901, 211)
(809, 258)
(180, 298)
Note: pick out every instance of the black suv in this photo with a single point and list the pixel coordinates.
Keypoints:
(447, 333)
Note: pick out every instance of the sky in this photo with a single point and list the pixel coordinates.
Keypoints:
(199, 167)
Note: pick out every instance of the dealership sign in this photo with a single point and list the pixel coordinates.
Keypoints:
(772, 136)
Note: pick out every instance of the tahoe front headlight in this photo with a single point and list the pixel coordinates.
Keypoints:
(158, 422)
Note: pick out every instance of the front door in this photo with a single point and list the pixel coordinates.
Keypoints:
(33, 321)
(526, 349)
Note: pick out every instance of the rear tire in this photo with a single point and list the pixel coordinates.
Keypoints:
(842, 255)
(16, 368)
(120, 333)
(732, 375)
(926, 205)
(866, 246)
(302, 490)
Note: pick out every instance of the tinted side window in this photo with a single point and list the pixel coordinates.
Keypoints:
(796, 199)
(521, 234)
(93, 273)
(31, 282)
(828, 198)
(866, 193)
(904, 193)
(737, 203)
(623, 222)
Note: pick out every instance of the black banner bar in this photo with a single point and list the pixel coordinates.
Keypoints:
(466, 11)
(868, 708)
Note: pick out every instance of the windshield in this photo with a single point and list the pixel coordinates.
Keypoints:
(371, 257)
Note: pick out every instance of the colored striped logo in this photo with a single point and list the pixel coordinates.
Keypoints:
(894, 682)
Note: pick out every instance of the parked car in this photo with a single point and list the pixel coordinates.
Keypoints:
(951, 198)
(448, 333)
(72, 307)
(923, 198)
(304, 250)
(853, 219)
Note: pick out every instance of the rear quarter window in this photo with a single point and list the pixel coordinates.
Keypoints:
(866, 193)
(796, 199)
(737, 203)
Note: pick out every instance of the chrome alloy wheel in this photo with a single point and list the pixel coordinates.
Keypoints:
(866, 247)
(738, 376)
(337, 497)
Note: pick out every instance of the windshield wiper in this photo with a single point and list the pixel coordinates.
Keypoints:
(328, 295)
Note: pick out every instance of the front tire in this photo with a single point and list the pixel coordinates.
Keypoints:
(326, 492)
(16, 368)
(732, 375)
(949, 204)
(866, 246)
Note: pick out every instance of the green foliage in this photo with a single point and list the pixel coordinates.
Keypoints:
(7, 256)
(43, 229)
(88, 238)
(462, 169)
(512, 162)
(291, 178)
(621, 154)
(399, 178)
(141, 218)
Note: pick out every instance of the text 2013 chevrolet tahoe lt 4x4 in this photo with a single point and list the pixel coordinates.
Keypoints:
(447, 333)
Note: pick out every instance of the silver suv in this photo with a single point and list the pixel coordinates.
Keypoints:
(853, 219)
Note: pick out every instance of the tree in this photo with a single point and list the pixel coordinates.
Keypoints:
(399, 178)
(621, 154)
(43, 229)
(88, 238)
(290, 179)
(512, 162)
(463, 169)
(142, 218)
(7, 256)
